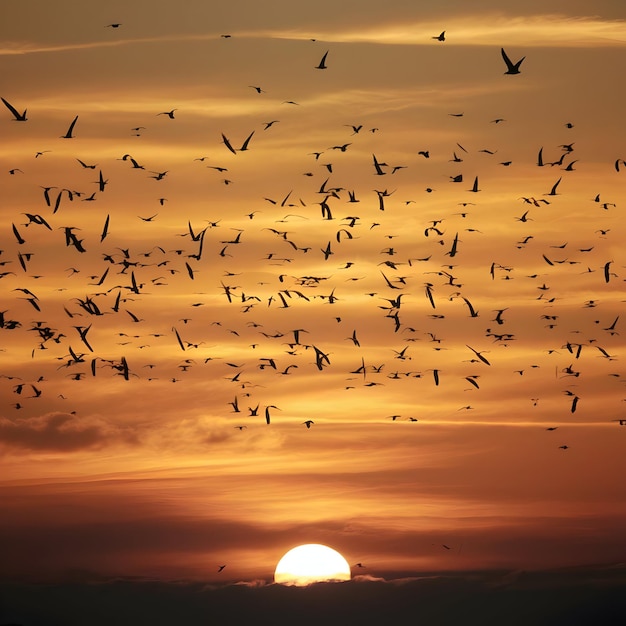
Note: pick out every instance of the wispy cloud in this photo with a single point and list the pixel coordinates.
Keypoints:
(536, 30)
(485, 30)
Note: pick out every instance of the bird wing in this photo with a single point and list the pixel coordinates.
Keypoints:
(227, 144)
(70, 130)
(508, 62)
(12, 109)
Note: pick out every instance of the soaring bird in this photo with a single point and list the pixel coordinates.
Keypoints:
(441, 36)
(70, 130)
(322, 65)
(511, 68)
(19, 117)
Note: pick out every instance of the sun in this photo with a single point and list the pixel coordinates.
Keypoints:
(311, 563)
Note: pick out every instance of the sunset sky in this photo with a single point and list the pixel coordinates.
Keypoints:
(452, 323)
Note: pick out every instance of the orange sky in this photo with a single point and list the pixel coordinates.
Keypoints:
(122, 454)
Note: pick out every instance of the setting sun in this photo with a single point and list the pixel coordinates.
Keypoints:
(311, 563)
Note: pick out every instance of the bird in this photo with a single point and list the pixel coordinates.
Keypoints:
(308, 423)
(70, 130)
(511, 68)
(18, 117)
(87, 166)
(267, 412)
(552, 191)
(322, 64)
(169, 114)
(378, 166)
(441, 36)
(244, 146)
(479, 355)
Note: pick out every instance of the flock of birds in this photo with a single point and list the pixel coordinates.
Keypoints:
(227, 292)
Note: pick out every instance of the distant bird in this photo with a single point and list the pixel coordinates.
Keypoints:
(322, 65)
(308, 423)
(511, 68)
(70, 130)
(441, 36)
(220, 568)
(552, 191)
(244, 146)
(19, 117)
(115, 25)
(479, 355)
(169, 114)
(267, 412)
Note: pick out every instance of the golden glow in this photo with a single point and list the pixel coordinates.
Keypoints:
(311, 563)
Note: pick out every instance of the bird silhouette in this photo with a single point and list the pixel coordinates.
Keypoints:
(511, 68)
(70, 130)
(169, 114)
(18, 117)
(322, 64)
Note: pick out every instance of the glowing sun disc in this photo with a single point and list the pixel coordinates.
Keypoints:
(311, 563)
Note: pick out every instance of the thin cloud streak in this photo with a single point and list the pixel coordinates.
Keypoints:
(551, 30)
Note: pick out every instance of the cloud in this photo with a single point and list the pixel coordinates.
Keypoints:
(61, 432)
(486, 29)
(582, 595)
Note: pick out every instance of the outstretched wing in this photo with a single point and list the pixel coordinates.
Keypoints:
(13, 110)
(508, 62)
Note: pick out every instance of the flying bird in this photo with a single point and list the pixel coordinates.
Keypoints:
(70, 130)
(511, 68)
(441, 36)
(169, 114)
(19, 117)
(322, 65)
